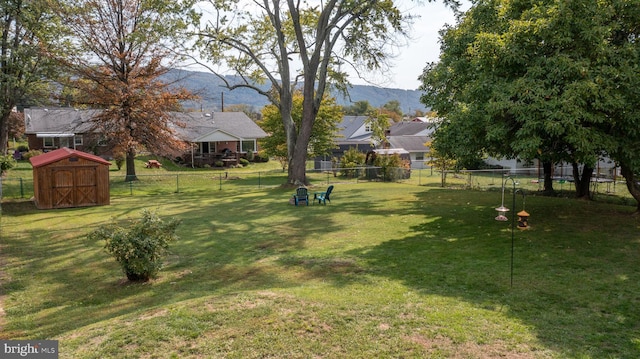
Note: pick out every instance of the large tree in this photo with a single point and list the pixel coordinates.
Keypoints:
(517, 79)
(322, 136)
(124, 47)
(304, 46)
(28, 32)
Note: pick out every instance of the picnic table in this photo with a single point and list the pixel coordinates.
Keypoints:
(153, 164)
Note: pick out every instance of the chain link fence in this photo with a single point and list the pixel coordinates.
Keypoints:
(216, 180)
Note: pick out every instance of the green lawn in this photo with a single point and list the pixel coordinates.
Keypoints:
(385, 270)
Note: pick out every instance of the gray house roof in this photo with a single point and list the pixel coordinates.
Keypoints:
(409, 143)
(411, 129)
(217, 126)
(198, 126)
(57, 121)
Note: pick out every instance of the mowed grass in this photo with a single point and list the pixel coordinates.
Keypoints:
(384, 271)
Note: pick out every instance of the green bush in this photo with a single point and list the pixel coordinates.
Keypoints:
(32, 153)
(120, 159)
(6, 162)
(351, 160)
(392, 168)
(244, 162)
(140, 247)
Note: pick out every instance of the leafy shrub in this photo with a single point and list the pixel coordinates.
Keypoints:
(351, 160)
(6, 162)
(140, 247)
(250, 156)
(120, 158)
(23, 148)
(32, 153)
(244, 162)
(393, 168)
(218, 163)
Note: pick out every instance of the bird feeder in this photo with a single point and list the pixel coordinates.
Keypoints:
(523, 220)
(502, 211)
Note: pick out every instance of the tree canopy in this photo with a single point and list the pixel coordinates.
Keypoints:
(29, 34)
(536, 80)
(303, 46)
(322, 136)
(122, 50)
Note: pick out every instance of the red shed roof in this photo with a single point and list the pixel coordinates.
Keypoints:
(62, 153)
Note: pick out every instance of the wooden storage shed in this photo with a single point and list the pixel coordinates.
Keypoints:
(68, 178)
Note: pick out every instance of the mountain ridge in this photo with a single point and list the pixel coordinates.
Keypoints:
(214, 96)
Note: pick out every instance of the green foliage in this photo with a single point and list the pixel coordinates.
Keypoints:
(6, 162)
(551, 80)
(244, 162)
(378, 122)
(31, 153)
(139, 248)
(351, 160)
(359, 108)
(120, 159)
(322, 135)
(392, 167)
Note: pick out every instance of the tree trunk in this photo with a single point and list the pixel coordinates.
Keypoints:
(4, 127)
(547, 168)
(582, 181)
(632, 184)
(131, 168)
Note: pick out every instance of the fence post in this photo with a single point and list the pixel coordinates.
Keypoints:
(131, 188)
(21, 188)
(259, 184)
(220, 185)
(177, 183)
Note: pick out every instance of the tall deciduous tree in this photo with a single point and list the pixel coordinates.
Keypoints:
(125, 46)
(322, 136)
(301, 45)
(27, 30)
(519, 79)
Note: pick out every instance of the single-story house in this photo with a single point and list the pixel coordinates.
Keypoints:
(213, 136)
(218, 136)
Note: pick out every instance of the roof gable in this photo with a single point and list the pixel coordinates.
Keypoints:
(64, 153)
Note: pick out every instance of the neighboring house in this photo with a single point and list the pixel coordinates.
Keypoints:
(218, 136)
(412, 137)
(50, 129)
(214, 136)
(408, 137)
(353, 132)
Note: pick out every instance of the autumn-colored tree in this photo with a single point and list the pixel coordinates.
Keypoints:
(322, 137)
(122, 52)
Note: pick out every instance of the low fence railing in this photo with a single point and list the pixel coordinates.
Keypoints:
(230, 180)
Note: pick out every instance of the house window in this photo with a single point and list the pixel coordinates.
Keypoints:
(420, 156)
(48, 142)
(248, 146)
(367, 128)
(77, 140)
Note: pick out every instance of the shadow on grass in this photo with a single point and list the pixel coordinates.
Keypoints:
(576, 277)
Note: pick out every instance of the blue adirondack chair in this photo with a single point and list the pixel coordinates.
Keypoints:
(301, 195)
(323, 197)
